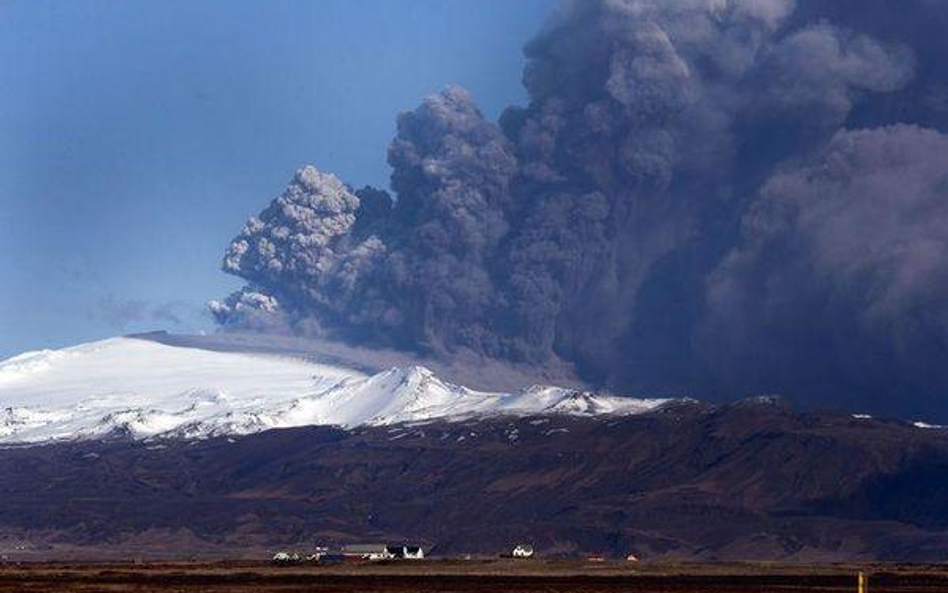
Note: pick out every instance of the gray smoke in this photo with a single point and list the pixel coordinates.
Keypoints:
(840, 284)
(710, 196)
(325, 258)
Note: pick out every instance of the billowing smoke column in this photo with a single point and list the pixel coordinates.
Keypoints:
(718, 197)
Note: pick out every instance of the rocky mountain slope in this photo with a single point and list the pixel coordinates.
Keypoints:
(752, 480)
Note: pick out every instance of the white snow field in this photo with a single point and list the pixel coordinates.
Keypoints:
(143, 388)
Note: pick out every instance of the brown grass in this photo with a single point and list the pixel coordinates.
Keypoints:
(457, 576)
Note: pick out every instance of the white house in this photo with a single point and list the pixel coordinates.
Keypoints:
(523, 551)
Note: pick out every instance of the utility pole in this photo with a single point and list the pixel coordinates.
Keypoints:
(863, 582)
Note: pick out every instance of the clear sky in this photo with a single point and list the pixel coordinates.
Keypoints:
(137, 136)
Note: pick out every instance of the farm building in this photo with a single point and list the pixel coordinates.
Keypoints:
(523, 551)
(407, 552)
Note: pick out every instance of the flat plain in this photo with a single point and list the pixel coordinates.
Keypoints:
(455, 576)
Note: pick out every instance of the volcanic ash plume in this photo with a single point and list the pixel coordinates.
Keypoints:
(714, 196)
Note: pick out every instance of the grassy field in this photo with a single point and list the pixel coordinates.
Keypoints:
(495, 576)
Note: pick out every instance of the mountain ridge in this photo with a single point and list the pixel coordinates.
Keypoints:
(172, 451)
(146, 388)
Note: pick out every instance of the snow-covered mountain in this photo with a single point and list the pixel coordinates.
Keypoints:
(145, 388)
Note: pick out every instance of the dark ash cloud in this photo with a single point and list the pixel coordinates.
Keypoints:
(700, 196)
(839, 289)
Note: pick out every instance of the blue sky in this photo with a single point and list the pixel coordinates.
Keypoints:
(136, 137)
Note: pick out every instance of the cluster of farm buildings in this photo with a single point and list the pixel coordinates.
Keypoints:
(375, 552)
(383, 552)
